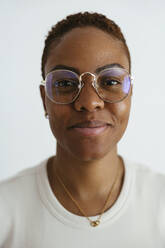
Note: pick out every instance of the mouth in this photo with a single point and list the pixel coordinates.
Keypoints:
(90, 128)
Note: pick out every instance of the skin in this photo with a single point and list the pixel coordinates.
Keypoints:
(87, 165)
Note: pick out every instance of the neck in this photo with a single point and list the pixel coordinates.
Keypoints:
(86, 179)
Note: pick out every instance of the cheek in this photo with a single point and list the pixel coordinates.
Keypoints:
(120, 112)
(57, 117)
(123, 110)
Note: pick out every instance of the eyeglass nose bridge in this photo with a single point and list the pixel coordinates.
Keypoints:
(93, 82)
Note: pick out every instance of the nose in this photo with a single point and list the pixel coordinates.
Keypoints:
(88, 99)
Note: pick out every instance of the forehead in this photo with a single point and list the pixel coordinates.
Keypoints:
(87, 49)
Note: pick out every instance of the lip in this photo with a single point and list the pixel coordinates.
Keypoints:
(90, 124)
(90, 128)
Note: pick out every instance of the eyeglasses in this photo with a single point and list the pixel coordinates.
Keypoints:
(64, 86)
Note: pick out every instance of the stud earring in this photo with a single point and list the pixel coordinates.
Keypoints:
(46, 115)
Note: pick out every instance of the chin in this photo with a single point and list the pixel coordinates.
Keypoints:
(90, 154)
(88, 149)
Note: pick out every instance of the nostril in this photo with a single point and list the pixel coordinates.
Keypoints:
(82, 109)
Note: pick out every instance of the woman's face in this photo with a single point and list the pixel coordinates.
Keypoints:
(87, 49)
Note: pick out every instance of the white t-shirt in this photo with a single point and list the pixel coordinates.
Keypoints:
(32, 217)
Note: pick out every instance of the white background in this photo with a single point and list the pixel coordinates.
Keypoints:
(25, 136)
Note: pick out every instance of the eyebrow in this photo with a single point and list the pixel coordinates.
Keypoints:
(66, 67)
(108, 66)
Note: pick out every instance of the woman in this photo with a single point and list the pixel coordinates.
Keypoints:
(87, 195)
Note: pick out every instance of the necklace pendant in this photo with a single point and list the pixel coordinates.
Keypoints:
(95, 223)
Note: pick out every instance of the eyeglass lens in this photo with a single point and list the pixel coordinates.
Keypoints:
(112, 85)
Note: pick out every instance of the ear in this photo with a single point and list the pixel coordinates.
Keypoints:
(42, 93)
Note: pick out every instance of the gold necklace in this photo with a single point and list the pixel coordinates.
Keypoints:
(95, 222)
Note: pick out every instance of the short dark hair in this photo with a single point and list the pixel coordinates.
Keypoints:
(82, 20)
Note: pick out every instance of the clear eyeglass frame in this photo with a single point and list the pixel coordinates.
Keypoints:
(94, 82)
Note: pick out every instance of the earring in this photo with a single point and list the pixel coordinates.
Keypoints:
(46, 115)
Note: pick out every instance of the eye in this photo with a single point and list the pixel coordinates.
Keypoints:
(65, 83)
(110, 82)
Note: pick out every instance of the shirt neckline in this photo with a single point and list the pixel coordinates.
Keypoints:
(63, 215)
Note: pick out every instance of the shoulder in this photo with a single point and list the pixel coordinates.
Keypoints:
(17, 194)
(17, 182)
(20, 187)
(149, 193)
(148, 185)
(145, 177)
